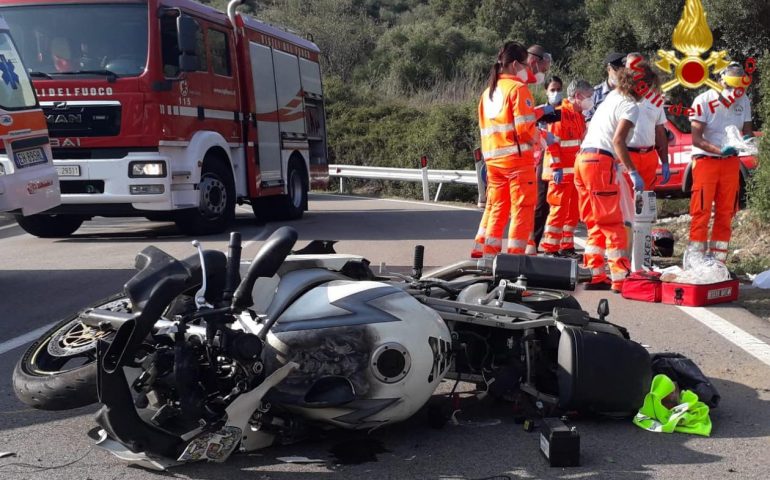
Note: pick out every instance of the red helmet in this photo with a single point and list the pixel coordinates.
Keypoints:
(663, 242)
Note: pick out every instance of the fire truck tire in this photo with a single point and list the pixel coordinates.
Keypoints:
(217, 202)
(286, 207)
(49, 226)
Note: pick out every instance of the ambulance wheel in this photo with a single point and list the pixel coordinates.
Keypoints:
(216, 208)
(49, 226)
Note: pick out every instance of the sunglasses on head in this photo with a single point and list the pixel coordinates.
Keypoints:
(544, 56)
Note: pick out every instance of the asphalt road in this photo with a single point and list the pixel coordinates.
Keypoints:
(43, 280)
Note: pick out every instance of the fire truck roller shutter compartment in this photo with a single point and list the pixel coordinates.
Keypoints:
(289, 89)
(268, 129)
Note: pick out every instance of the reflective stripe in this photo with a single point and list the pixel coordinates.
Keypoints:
(569, 143)
(531, 250)
(545, 241)
(497, 129)
(597, 272)
(505, 151)
(614, 254)
(494, 242)
(482, 231)
(551, 229)
(524, 119)
(594, 250)
(517, 244)
(569, 228)
(617, 276)
(721, 256)
(697, 246)
(567, 170)
(555, 160)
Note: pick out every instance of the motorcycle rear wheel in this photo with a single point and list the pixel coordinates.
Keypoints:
(58, 371)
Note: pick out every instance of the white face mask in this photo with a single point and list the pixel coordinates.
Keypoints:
(539, 78)
(555, 98)
(587, 104)
(522, 74)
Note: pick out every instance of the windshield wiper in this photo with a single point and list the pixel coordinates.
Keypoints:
(111, 76)
(40, 75)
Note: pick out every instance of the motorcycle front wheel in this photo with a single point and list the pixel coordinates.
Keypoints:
(58, 371)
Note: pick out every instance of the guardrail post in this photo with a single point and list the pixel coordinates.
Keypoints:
(425, 184)
(481, 177)
(342, 184)
(438, 192)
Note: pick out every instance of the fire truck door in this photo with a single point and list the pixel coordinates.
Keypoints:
(268, 127)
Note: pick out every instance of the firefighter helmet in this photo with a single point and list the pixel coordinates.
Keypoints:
(663, 242)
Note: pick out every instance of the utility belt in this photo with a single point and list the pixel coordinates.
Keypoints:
(597, 151)
(700, 155)
(641, 149)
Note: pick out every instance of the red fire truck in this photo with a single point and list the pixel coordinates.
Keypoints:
(169, 109)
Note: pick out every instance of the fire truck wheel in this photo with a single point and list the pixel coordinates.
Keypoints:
(217, 203)
(292, 205)
(49, 226)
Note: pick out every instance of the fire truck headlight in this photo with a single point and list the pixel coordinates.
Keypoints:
(146, 169)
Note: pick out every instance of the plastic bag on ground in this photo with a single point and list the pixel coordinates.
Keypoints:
(762, 280)
(687, 375)
(701, 269)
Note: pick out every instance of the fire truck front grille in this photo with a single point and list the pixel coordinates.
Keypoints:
(76, 120)
(81, 186)
(97, 153)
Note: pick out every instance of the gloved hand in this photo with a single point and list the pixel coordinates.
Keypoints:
(550, 138)
(558, 176)
(547, 109)
(728, 151)
(666, 173)
(637, 179)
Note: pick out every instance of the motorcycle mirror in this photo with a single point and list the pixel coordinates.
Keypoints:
(604, 308)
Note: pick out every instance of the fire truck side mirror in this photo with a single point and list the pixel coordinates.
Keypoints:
(187, 36)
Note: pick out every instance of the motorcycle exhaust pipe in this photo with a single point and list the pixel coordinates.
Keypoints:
(543, 272)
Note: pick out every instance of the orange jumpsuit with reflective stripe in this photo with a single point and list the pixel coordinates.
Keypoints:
(647, 166)
(714, 180)
(564, 215)
(598, 198)
(507, 124)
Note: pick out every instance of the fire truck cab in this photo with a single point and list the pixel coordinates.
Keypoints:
(28, 183)
(172, 110)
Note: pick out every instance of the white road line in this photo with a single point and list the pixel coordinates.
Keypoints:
(5, 227)
(28, 337)
(751, 344)
(413, 202)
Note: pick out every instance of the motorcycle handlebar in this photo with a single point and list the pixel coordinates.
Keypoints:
(233, 267)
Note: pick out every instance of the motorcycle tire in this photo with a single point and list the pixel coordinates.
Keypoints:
(58, 371)
(543, 300)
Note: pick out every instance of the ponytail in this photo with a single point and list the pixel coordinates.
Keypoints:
(509, 53)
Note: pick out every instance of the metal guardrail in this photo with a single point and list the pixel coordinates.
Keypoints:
(423, 175)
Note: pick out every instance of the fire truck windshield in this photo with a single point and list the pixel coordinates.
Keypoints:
(15, 89)
(80, 38)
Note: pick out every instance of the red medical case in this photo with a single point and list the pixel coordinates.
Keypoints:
(643, 286)
(700, 295)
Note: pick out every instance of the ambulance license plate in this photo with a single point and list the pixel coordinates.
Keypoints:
(27, 158)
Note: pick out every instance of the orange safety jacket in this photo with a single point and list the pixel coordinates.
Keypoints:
(569, 132)
(507, 124)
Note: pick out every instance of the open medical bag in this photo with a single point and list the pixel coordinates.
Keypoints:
(688, 295)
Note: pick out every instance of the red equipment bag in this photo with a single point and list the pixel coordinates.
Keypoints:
(700, 295)
(643, 286)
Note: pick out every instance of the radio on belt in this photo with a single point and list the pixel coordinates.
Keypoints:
(559, 443)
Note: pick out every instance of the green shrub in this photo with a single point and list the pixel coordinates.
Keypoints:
(759, 186)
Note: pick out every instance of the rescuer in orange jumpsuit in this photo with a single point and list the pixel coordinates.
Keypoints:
(558, 169)
(507, 124)
(596, 180)
(716, 167)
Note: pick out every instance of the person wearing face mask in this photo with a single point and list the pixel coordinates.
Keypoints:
(614, 63)
(597, 184)
(716, 167)
(650, 140)
(559, 170)
(508, 132)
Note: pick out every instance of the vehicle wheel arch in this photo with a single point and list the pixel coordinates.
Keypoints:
(202, 144)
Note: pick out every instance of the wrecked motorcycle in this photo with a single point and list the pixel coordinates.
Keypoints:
(199, 362)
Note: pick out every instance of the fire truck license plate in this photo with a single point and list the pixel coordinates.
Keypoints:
(27, 158)
(68, 170)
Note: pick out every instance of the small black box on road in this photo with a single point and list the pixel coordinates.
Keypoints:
(559, 443)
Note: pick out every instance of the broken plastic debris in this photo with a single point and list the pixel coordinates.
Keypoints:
(7, 454)
(762, 280)
(299, 460)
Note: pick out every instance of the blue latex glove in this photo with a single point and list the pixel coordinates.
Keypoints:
(558, 176)
(666, 173)
(548, 109)
(728, 151)
(637, 179)
(550, 138)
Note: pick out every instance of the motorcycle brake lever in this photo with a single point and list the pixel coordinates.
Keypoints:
(200, 295)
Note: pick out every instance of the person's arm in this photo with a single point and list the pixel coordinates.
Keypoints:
(619, 142)
(661, 143)
(699, 141)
